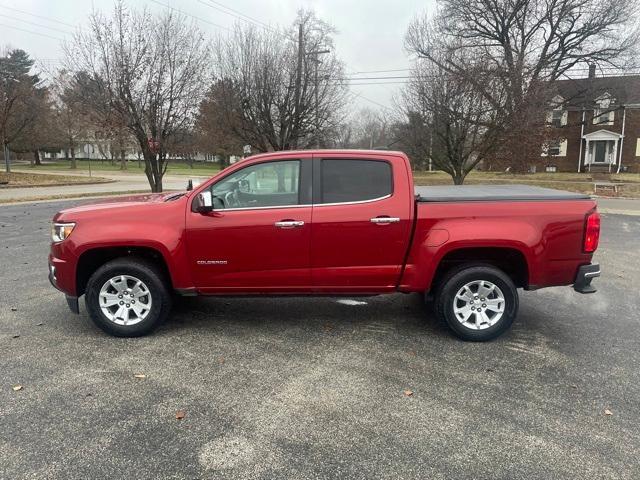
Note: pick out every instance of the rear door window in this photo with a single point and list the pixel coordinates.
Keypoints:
(354, 180)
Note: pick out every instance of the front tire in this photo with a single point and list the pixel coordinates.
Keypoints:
(478, 302)
(127, 297)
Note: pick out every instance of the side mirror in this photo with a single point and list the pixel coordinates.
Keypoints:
(204, 202)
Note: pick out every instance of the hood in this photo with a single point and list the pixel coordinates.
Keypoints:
(125, 201)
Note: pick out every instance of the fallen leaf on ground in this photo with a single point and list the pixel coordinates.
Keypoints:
(180, 414)
(13, 309)
(221, 360)
(16, 336)
(139, 375)
(39, 324)
(408, 393)
(412, 353)
(608, 412)
(17, 388)
(574, 386)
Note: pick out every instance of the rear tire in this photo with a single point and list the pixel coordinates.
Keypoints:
(477, 302)
(128, 297)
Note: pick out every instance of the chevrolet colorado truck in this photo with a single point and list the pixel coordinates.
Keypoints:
(324, 222)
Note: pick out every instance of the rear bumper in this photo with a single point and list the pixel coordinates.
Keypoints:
(586, 273)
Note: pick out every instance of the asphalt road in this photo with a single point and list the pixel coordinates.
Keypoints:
(313, 388)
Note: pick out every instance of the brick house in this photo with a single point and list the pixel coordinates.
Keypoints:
(595, 122)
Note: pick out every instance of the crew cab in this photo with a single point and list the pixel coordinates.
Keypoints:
(324, 222)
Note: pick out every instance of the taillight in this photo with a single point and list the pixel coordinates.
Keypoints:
(591, 232)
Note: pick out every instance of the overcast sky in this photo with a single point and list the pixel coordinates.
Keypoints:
(369, 38)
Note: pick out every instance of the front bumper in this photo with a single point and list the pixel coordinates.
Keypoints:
(586, 273)
(72, 301)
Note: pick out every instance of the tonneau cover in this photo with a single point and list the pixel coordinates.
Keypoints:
(477, 193)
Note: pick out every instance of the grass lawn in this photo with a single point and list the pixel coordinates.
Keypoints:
(15, 179)
(175, 168)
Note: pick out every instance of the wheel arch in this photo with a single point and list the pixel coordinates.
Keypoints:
(511, 261)
(92, 259)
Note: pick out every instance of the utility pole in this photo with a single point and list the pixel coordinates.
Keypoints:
(296, 94)
(316, 61)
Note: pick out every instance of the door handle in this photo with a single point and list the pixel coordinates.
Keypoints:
(384, 220)
(289, 223)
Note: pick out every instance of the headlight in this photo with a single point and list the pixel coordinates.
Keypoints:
(60, 231)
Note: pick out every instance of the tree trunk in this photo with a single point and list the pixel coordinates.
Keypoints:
(36, 157)
(74, 165)
(153, 171)
(123, 160)
(458, 177)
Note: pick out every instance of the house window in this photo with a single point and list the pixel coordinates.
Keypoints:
(557, 117)
(555, 148)
(604, 113)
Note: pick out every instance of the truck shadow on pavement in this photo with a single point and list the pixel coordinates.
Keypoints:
(399, 315)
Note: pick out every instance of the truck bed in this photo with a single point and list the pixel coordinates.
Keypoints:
(479, 193)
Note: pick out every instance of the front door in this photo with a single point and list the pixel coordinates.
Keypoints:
(361, 224)
(600, 151)
(257, 237)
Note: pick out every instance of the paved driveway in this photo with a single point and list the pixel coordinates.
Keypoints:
(313, 388)
(121, 182)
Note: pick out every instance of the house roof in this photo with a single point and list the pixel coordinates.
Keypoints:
(583, 92)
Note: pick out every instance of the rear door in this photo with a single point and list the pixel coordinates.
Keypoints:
(361, 223)
(257, 238)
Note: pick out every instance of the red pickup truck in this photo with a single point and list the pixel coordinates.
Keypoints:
(324, 222)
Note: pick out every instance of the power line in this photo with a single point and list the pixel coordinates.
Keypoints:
(39, 16)
(376, 78)
(36, 24)
(360, 95)
(238, 15)
(372, 83)
(31, 31)
(192, 16)
(381, 71)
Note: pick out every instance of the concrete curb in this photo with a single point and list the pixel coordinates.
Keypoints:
(80, 197)
(70, 184)
(616, 211)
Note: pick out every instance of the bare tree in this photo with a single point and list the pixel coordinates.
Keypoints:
(459, 119)
(73, 124)
(22, 98)
(214, 128)
(370, 129)
(524, 44)
(149, 71)
(276, 91)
